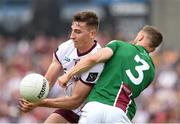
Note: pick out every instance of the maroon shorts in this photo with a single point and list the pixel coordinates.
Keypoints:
(69, 115)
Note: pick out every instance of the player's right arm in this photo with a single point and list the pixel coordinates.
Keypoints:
(86, 63)
(53, 71)
(80, 92)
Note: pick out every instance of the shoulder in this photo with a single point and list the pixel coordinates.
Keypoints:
(66, 44)
(95, 47)
(64, 48)
(98, 45)
(116, 44)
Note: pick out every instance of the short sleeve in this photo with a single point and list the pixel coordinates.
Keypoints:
(62, 50)
(92, 75)
(112, 45)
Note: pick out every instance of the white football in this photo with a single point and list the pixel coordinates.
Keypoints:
(34, 87)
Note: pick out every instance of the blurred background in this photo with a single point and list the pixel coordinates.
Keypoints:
(31, 30)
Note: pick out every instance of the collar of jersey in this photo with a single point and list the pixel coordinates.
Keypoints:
(84, 53)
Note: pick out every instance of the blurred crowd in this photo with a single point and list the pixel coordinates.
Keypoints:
(159, 103)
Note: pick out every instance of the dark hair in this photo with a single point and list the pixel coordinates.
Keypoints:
(154, 35)
(90, 18)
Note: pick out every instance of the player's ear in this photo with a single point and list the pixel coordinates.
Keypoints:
(141, 37)
(93, 33)
(151, 49)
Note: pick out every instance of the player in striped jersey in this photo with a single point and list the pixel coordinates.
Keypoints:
(82, 42)
(128, 71)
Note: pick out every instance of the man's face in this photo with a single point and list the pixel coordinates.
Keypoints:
(80, 34)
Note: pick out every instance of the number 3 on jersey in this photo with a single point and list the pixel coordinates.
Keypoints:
(139, 69)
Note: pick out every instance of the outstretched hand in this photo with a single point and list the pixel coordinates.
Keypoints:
(26, 106)
(63, 80)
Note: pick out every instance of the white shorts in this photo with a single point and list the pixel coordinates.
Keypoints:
(95, 112)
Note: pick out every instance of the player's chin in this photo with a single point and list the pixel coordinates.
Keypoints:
(76, 45)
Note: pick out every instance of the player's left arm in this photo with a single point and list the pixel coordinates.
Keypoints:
(86, 63)
(80, 93)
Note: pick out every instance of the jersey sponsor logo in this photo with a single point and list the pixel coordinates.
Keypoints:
(92, 76)
(76, 60)
(67, 59)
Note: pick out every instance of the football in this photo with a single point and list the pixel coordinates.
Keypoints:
(34, 87)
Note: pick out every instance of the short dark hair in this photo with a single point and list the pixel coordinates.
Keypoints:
(154, 35)
(89, 17)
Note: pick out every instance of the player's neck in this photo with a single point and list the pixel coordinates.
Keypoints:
(86, 47)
